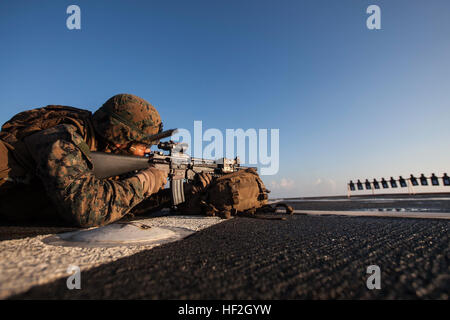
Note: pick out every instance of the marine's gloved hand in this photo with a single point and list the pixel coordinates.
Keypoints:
(152, 180)
(193, 193)
(201, 182)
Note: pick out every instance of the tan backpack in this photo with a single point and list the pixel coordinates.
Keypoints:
(234, 193)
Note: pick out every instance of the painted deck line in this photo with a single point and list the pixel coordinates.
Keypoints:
(365, 200)
(403, 214)
(31, 261)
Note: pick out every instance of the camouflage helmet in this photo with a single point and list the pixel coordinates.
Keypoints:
(126, 117)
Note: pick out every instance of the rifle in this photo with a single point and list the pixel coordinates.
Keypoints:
(179, 165)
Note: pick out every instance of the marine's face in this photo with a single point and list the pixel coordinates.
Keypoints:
(133, 148)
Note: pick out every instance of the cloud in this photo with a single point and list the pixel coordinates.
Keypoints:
(325, 186)
(283, 184)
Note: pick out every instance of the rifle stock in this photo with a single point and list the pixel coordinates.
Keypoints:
(110, 165)
(180, 166)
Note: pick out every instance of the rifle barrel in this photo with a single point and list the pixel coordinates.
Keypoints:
(162, 135)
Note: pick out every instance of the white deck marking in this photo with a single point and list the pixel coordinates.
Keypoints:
(391, 214)
(365, 199)
(28, 262)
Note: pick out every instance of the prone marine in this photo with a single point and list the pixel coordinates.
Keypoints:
(47, 169)
(46, 172)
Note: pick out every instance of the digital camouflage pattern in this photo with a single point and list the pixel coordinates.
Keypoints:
(45, 168)
(28, 122)
(233, 193)
(125, 117)
(66, 173)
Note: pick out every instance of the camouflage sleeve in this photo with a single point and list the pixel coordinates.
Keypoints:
(67, 175)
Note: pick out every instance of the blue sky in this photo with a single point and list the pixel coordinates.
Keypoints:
(349, 102)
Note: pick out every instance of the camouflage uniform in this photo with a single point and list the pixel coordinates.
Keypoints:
(48, 163)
